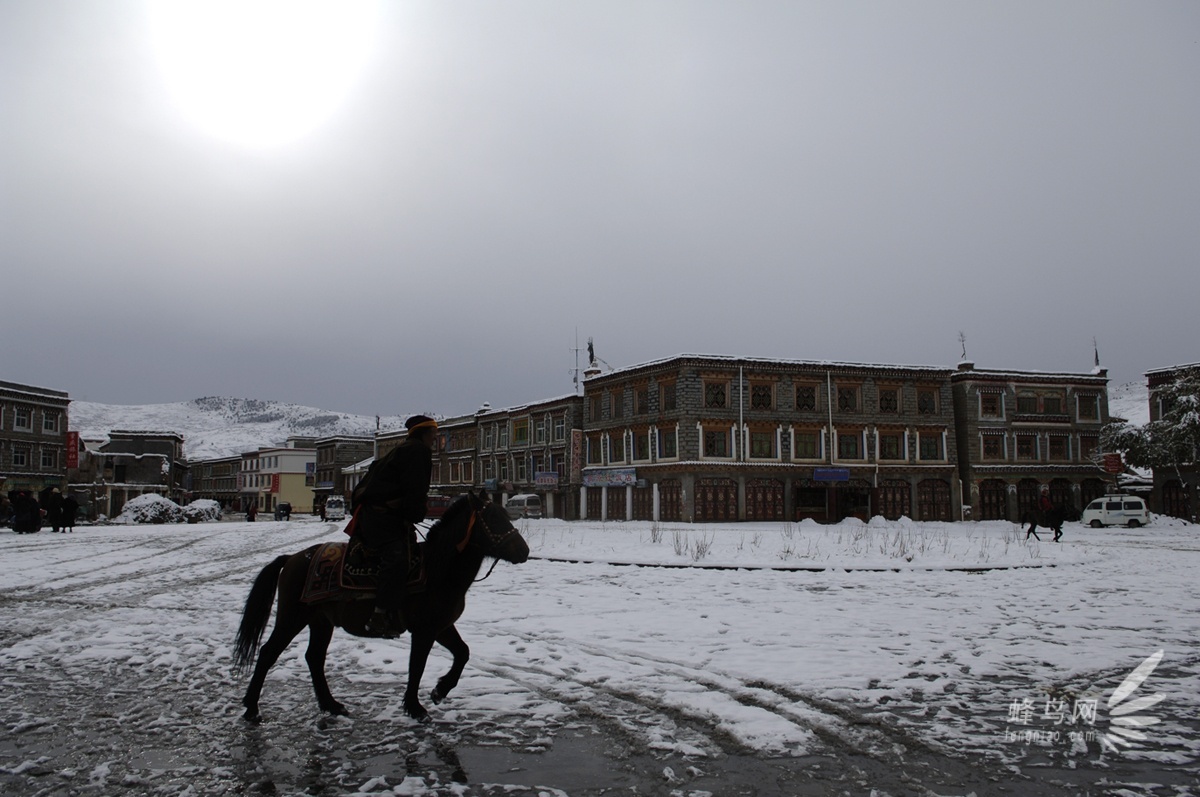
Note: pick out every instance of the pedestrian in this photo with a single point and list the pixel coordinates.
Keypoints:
(24, 509)
(70, 509)
(54, 508)
(391, 499)
(251, 511)
(322, 505)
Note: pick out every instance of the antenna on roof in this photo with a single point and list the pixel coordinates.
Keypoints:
(1096, 350)
(962, 338)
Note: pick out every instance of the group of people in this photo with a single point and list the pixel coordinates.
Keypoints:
(28, 514)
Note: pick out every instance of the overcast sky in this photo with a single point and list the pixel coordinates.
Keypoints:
(802, 180)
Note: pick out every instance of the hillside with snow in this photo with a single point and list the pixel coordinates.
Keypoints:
(1130, 401)
(220, 427)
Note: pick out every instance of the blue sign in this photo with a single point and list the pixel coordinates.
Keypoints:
(831, 474)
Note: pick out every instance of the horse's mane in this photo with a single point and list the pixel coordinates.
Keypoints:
(460, 506)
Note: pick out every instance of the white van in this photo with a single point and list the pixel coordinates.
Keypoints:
(335, 508)
(1116, 510)
(524, 505)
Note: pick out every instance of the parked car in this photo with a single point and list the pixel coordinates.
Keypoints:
(525, 505)
(283, 511)
(335, 508)
(1116, 510)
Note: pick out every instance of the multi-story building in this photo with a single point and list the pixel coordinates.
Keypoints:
(33, 438)
(272, 476)
(334, 454)
(712, 438)
(531, 449)
(216, 479)
(107, 474)
(1020, 430)
(1171, 494)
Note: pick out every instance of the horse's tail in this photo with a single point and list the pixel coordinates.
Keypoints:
(256, 614)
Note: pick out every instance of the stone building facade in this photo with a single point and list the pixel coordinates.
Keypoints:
(709, 438)
(33, 438)
(216, 479)
(1174, 489)
(1021, 430)
(334, 455)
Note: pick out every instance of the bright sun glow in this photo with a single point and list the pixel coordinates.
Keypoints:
(261, 72)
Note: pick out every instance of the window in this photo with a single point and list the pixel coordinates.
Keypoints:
(502, 441)
(716, 395)
(1089, 446)
(455, 472)
(667, 447)
(808, 444)
(666, 401)
(806, 398)
(762, 397)
(560, 429)
(522, 469)
(891, 444)
(616, 448)
(889, 400)
(848, 446)
(21, 419)
(1027, 447)
(539, 432)
(930, 445)
(49, 422)
(1027, 404)
(847, 398)
(20, 458)
(468, 469)
(593, 408)
(762, 444)
(1059, 447)
(521, 432)
(488, 437)
(716, 443)
(927, 402)
(1052, 405)
(991, 405)
(503, 469)
(593, 450)
(49, 459)
(993, 446)
(641, 445)
(616, 403)
(1089, 408)
(641, 404)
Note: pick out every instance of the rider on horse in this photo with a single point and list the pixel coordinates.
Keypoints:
(388, 503)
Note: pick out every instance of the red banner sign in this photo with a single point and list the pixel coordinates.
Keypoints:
(274, 482)
(1113, 463)
(72, 450)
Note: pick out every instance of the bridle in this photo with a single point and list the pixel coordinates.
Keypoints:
(477, 515)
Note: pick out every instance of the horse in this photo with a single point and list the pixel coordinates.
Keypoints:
(471, 529)
(1046, 518)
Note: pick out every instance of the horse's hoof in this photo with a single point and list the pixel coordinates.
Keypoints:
(419, 714)
(252, 717)
(336, 709)
(437, 697)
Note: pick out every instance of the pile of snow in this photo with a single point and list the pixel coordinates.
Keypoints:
(150, 508)
(201, 510)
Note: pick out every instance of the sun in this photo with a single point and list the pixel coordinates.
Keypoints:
(260, 73)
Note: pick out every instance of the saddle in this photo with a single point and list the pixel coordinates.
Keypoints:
(348, 571)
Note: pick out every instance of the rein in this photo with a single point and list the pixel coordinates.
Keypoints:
(462, 545)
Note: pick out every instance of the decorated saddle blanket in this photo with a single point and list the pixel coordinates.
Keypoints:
(341, 570)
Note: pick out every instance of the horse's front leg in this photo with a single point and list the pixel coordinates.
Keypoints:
(418, 656)
(320, 631)
(453, 642)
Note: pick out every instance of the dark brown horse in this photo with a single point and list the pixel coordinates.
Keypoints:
(471, 529)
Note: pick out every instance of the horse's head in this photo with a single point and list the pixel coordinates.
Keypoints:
(485, 528)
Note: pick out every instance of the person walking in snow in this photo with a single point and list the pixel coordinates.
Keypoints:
(391, 499)
(70, 508)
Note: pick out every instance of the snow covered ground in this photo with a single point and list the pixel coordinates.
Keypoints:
(883, 658)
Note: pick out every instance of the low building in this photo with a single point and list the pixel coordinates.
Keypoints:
(713, 438)
(1173, 491)
(216, 479)
(333, 455)
(126, 464)
(34, 454)
(273, 476)
(1021, 430)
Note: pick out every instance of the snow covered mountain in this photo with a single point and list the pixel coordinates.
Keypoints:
(1130, 401)
(221, 427)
